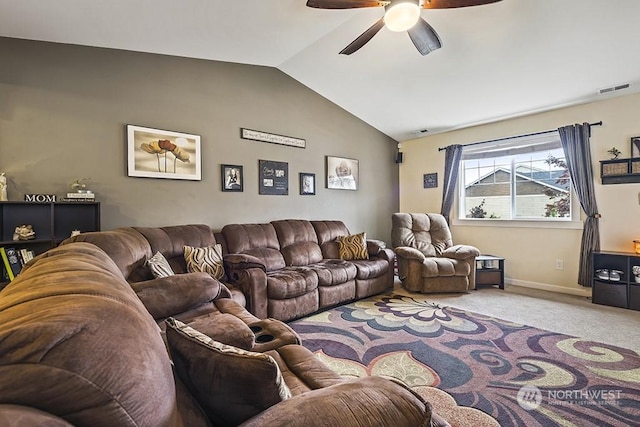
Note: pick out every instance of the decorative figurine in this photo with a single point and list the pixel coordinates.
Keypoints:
(79, 185)
(24, 232)
(3, 188)
(614, 153)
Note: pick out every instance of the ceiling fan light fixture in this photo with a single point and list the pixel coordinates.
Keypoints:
(402, 15)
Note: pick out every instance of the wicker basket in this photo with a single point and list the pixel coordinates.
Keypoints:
(614, 169)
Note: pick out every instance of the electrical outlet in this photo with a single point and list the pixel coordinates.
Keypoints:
(559, 264)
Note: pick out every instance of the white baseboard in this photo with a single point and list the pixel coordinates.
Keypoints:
(583, 292)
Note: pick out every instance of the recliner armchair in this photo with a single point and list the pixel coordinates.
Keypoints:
(428, 261)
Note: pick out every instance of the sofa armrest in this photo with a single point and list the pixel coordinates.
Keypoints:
(369, 401)
(168, 296)
(461, 252)
(252, 282)
(233, 262)
(409, 253)
(375, 246)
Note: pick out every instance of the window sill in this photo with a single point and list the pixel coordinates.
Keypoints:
(543, 224)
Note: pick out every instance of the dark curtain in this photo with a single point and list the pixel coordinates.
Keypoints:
(575, 143)
(451, 169)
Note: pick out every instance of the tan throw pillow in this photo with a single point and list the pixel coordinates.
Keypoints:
(159, 266)
(230, 384)
(353, 246)
(207, 259)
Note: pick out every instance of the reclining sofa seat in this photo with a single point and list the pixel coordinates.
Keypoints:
(291, 268)
(428, 261)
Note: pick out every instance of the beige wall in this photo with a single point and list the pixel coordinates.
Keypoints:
(531, 253)
(63, 111)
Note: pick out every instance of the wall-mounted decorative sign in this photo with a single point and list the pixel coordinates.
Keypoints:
(155, 153)
(274, 177)
(342, 173)
(231, 177)
(256, 135)
(430, 180)
(307, 184)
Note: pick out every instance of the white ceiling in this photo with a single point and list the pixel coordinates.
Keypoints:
(497, 61)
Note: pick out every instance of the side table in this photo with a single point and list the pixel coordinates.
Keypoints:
(489, 271)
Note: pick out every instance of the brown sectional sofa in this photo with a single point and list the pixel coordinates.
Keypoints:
(292, 268)
(78, 346)
(283, 269)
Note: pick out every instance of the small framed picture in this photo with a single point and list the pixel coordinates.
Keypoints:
(231, 176)
(635, 146)
(342, 173)
(307, 184)
(430, 180)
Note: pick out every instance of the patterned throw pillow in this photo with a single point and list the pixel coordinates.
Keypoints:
(159, 266)
(353, 246)
(230, 384)
(207, 259)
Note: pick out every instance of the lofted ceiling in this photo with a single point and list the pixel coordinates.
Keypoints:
(498, 61)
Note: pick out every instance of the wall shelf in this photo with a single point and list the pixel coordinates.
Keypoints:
(620, 171)
(52, 222)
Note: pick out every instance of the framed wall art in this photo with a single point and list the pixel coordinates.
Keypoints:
(307, 184)
(635, 146)
(155, 153)
(274, 177)
(231, 177)
(342, 173)
(430, 180)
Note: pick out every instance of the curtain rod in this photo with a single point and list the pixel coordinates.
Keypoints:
(517, 136)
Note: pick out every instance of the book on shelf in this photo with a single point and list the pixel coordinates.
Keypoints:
(81, 196)
(11, 262)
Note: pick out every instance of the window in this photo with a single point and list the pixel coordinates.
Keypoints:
(520, 178)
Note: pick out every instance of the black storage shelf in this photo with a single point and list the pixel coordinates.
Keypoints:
(624, 293)
(620, 171)
(52, 222)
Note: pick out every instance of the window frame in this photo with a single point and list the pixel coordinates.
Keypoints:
(545, 141)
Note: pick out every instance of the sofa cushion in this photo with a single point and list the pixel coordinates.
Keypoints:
(208, 259)
(436, 267)
(334, 271)
(298, 242)
(353, 246)
(231, 384)
(327, 233)
(368, 269)
(257, 240)
(159, 266)
(291, 282)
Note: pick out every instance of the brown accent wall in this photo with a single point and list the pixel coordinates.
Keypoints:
(64, 109)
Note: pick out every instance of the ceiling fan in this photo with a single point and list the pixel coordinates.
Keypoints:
(400, 15)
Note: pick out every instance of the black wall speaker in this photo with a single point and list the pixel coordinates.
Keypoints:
(399, 157)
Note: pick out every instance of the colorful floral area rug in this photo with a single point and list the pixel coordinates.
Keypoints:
(520, 375)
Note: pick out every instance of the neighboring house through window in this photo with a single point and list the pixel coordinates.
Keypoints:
(519, 178)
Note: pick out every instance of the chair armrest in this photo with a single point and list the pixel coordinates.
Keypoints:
(168, 296)
(369, 401)
(407, 252)
(461, 252)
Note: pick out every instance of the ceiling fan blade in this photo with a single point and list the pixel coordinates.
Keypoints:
(449, 4)
(345, 4)
(424, 37)
(363, 38)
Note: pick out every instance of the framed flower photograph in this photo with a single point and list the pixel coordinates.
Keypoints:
(231, 178)
(155, 153)
(307, 184)
(342, 173)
